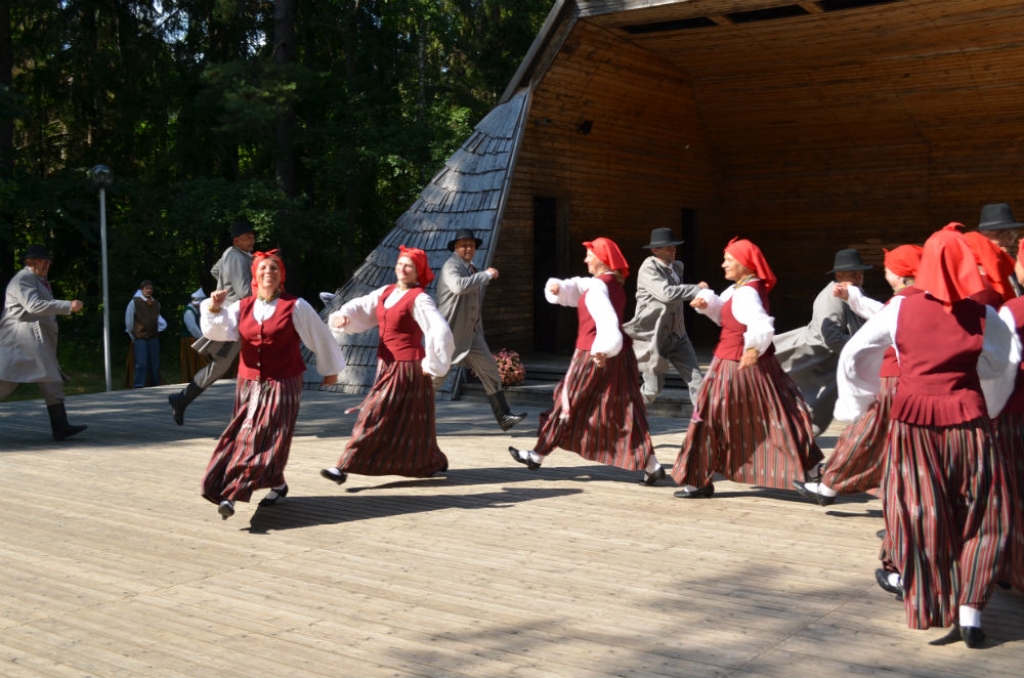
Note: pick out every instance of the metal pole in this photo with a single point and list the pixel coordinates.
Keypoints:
(106, 291)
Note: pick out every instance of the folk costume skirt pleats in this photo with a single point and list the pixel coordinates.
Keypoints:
(395, 432)
(253, 450)
(1009, 429)
(947, 517)
(599, 413)
(858, 462)
(750, 425)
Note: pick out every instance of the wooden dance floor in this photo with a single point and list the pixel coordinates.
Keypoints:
(112, 565)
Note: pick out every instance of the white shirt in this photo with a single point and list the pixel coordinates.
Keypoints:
(608, 337)
(747, 309)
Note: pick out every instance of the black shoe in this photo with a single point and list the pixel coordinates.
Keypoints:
(651, 478)
(508, 420)
(813, 496)
(177, 408)
(813, 474)
(278, 494)
(882, 577)
(335, 474)
(880, 534)
(973, 635)
(530, 463)
(226, 510)
(705, 492)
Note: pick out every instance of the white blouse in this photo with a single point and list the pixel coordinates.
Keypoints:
(747, 309)
(608, 338)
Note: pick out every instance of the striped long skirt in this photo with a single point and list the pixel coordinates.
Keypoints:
(750, 425)
(395, 432)
(599, 413)
(858, 462)
(946, 516)
(1009, 428)
(253, 450)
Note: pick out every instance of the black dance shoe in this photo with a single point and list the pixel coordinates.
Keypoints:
(278, 494)
(226, 509)
(651, 478)
(530, 463)
(813, 496)
(705, 492)
(882, 578)
(335, 474)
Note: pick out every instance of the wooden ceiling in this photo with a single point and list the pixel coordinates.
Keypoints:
(865, 72)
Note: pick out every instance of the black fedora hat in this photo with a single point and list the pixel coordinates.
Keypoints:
(848, 260)
(997, 217)
(241, 227)
(36, 252)
(662, 237)
(463, 234)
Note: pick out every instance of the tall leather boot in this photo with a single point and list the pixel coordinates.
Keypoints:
(506, 419)
(59, 422)
(180, 400)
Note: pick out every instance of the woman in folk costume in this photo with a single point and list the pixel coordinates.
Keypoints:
(750, 422)
(945, 501)
(598, 410)
(395, 432)
(858, 462)
(253, 450)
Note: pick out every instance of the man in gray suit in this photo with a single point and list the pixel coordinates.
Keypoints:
(810, 355)
(28, 338)
(233, 272)
(659, 335)
(460, 295)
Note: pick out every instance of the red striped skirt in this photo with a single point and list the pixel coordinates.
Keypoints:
(599, 413)
(750, 425)
(395, 432)
(253, 450)
(858, 462)
(1008, 428)
(946, 516)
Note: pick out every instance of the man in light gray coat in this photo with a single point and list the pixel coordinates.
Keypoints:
(657, 328)
(460, 295)
(233, 272)
(28, 338)
(810, 355)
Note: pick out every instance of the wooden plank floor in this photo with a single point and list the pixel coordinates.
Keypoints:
(112, 565)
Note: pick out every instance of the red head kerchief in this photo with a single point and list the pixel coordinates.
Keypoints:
(751, 257)
(423, 273)
(948, 271)
(1020, 251)
(257, 257)
(609, 254)
(997, 264)
(903, 260)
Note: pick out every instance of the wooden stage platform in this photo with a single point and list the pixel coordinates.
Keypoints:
(113, 566)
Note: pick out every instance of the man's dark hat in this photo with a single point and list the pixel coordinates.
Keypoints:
(241, 227)
(463, 234)
(997, 217)
(36, 252)
(662, 237)
(849, 260)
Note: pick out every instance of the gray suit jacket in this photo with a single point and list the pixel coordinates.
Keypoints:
(659, 310)
(460, 296)
(233, 272)
(28, 330)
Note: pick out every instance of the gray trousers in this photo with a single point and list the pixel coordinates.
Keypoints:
(480, 360)
(678, 352)
(221, 355)
(53, 391)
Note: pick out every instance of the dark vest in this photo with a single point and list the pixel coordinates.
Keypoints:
(146, 319)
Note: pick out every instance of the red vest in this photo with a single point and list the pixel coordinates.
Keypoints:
(587, 328)
(1015, 404)
(890, 364)
(730, 341)
(939, 351)
(270, 350)
(401, 338)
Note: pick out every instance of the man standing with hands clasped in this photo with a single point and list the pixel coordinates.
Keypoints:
(460, 295)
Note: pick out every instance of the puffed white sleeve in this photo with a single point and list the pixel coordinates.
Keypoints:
(569, 291)
(715, 303)
(862, 305)
(318, 339)
(999, 360)
(221, 326)
(748, 309)
(437, 336)
(608, 336)
(860, 361)
(361, 313)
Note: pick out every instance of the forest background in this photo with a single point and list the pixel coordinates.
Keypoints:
(320, 121)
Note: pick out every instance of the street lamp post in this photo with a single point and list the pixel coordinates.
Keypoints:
(102, 177)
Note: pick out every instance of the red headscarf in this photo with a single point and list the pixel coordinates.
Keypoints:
(903, 260)
(257, 257)
(609, 254)
(997, 264)
(423, 273)
(948, 271)
(750, 256)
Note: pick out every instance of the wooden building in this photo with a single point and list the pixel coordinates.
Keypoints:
(805, 125)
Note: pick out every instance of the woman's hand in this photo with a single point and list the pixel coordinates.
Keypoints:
(699, 303)
(599, 359)
(217, 298)
(329, 380)
(339, 321)
(749, 358)
(553, 288)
